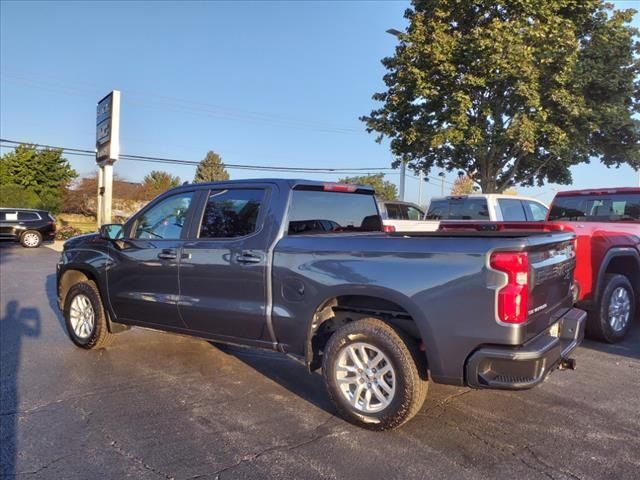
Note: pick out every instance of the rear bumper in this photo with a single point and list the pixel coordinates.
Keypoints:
(517, 368)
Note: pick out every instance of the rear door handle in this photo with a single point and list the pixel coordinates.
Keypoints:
(246, 257)
(168, 254)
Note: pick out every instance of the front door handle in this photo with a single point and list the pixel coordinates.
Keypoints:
(246, 257)
(168, 254)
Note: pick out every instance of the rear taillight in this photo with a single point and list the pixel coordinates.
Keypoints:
(513, 298)
(388, 228)
(53, 226)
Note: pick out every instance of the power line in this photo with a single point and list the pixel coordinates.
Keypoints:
(175, 161)
(167, 103)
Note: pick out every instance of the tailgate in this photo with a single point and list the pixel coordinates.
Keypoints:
(551, 269)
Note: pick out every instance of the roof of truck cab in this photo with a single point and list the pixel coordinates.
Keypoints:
(488, 196)
(286, 182)
(599, 191)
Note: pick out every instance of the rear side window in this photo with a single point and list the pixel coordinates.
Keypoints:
(317, 212)
(536, 212)
(28, 216)
(512, 210)
(459, 209)
(397, 211)
(231, 213)
(8, 216)
(597, 208)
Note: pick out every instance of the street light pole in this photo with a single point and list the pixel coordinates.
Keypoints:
(402, 179)
(397, 33)
(421, 181)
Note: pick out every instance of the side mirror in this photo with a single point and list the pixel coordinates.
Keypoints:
(111, 231)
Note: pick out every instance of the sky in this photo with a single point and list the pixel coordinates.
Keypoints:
(261, 83)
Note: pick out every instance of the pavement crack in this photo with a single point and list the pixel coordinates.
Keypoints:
(550, 466)
(538, 465)
(37, 408)
(37, 471)
(444, 402)
(287, 446)
(133, 457)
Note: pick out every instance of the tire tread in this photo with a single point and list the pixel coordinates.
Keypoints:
(413, 366)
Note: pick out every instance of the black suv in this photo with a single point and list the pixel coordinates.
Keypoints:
(29, 227)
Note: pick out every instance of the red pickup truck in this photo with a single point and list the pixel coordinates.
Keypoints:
(606, 223)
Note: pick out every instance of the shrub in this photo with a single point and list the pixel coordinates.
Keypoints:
(16, 196)
(66, 232)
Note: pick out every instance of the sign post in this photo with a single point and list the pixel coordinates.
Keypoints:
(107, 151)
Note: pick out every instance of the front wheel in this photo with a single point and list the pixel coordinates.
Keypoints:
(375, 375)
(612, 317)
(85, 317)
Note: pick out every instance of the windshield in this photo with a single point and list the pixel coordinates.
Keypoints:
(597, 208)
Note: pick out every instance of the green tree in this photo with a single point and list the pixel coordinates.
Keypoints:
(18, 197)
(512, 92)
(44, 172)
(211, 169)
(385, 190)
(157, 182)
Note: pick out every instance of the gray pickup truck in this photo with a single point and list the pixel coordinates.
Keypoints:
(303, 268)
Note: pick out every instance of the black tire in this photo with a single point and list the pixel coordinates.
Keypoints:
(598, 325)
(31, 239)
(409, 364)
(99, 335)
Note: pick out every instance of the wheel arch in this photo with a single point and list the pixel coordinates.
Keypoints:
(616, 260)
(73, 274)
(345, 306)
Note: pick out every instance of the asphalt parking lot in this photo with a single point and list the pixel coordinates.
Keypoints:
(162, 406)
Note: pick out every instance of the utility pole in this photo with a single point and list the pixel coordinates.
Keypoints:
(403, 174)
(421, 181)
(107, 152)
(441, 175)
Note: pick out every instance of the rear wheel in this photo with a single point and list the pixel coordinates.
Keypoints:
(612, 317)
(85, 317)
(375, 375)
(31, 239)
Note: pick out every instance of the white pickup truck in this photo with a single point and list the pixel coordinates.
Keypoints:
(400, 216)
(408, 217)
(491, 207)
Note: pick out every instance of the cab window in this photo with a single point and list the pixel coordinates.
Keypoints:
(512, 210)
(165, 220)
(231, 213)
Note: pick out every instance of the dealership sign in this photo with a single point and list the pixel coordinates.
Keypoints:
(108, 129)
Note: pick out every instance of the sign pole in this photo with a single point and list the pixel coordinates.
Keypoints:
(107, 152)
(99, 198)
(107, 174)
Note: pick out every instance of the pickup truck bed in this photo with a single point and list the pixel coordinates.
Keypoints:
(303, 267)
